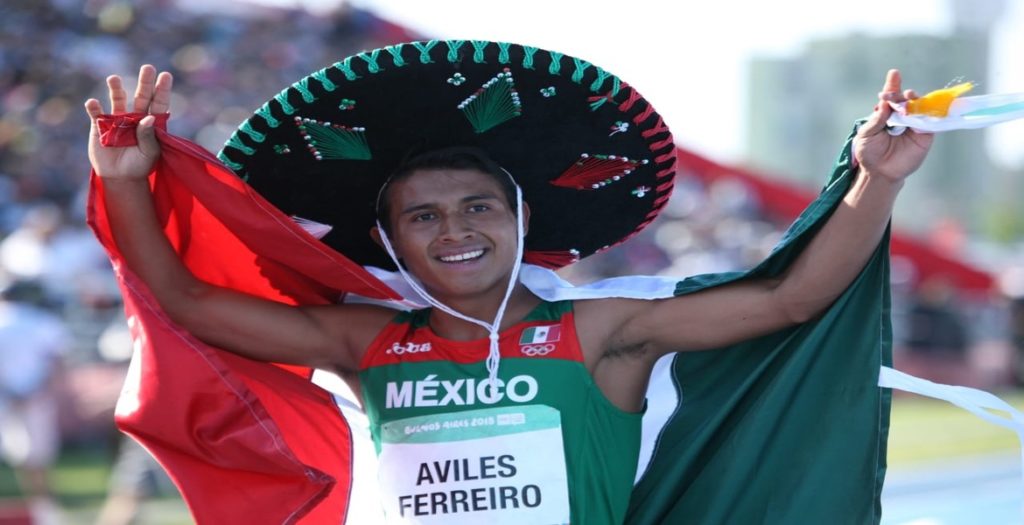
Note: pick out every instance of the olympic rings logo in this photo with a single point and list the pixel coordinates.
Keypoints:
(537, 350)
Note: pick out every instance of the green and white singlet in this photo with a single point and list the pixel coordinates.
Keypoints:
(545, 447)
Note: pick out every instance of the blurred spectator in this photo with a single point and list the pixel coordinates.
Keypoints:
(1017, 335)
(66, 260)
(32, 341)
(1011, 284)
(935, 327)
(136, 476)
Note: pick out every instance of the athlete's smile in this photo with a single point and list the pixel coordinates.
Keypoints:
(462, 257)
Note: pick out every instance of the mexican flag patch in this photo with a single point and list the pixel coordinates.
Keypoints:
(540, 334)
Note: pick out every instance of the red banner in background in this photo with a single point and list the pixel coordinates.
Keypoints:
(785, 202)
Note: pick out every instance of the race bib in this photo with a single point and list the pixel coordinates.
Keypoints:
(502, 465)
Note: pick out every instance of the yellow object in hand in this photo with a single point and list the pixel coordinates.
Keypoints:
(936, 103)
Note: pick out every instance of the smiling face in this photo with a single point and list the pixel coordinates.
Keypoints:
(455, 230)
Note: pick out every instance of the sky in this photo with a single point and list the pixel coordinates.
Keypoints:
(690, 58)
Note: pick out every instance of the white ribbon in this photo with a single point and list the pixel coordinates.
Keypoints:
(977, 402)
(964, 113)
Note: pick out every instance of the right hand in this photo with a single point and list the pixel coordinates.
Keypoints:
(878, 152)
(152, 97)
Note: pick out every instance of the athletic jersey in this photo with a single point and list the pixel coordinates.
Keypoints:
(544, 447)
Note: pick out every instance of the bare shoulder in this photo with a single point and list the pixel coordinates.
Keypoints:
(353, 327)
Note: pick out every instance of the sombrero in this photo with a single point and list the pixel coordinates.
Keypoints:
(595, 161)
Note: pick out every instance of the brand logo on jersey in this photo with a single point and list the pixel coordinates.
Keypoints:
(407, 348)
(430, 392)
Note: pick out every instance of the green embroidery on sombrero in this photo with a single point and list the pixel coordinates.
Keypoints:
(503, 52)
(478, 50)
(424, 49)
(236, 142)
(602, 75)
(282, 98)
(302, 86)
(371, 60)
(528, 52)
(282, 149)
(396, 54)
(598, 101)
(346, 104)
(556, 63)
(321, 76)
(333, 141)
(616, 86)
(453, 49)
(265, 112)
(230, 163)
(256, 136)
(495, 102)
(581, 66)
(345, 66)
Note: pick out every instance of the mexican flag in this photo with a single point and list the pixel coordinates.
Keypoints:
(540, 334)
(787, 428)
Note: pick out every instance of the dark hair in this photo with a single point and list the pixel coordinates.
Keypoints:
(459, 158)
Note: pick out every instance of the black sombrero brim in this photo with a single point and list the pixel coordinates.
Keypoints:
(595, 161)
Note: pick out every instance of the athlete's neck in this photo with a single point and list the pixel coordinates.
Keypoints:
(520, 303)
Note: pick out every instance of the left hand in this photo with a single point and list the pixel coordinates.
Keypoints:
(885, 155)
(152, 97)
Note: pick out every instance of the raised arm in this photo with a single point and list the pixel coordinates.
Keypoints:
(331, 337)
(838, 252)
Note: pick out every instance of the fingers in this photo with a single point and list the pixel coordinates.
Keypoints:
(892, 81)
(891, 89)
(144, 89)
(152, 93)
(118, 97)
(909, 94)
(146, 137)
(162, 95)
(876, 122)
(890, 93)
(94, 109)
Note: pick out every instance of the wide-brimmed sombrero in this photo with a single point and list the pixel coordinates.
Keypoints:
(595, 161)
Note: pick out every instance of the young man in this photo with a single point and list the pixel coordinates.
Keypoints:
(547, 424)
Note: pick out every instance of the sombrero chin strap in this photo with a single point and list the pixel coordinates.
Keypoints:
(493, 329)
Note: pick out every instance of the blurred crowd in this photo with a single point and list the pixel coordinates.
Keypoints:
(63, 342)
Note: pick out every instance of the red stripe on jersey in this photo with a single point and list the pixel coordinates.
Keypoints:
(401, 343)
